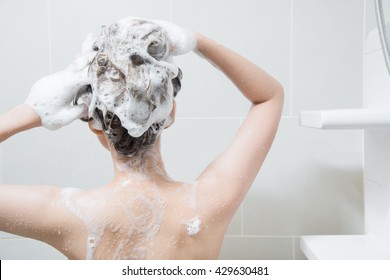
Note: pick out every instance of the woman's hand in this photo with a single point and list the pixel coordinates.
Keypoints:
(51, 97)
(181, 40)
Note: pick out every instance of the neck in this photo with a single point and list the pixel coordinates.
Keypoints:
(146, 165)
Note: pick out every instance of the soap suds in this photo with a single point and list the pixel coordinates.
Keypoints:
(191, 198)
(132, 74)
(194, 225)
(56, 111)
(123, 226)
(94, 226)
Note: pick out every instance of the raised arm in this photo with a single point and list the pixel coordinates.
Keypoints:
(50, 100)
(48, 104)
(32, 211)
(17, 120)
(38, 211)
(236, 168)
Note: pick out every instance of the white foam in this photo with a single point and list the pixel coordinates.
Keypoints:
(194, 225)
(51, 96)
(140, 95)
(139, 91)
(95, 228)
(184, 39)
(142, 213)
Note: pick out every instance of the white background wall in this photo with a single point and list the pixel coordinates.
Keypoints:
(311, 182)
(376, 142)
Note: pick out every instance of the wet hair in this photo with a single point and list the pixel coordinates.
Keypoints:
(123, 142)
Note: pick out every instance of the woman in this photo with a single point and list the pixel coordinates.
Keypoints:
(142, 213)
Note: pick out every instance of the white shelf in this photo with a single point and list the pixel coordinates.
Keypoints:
(345, 247)
(346, 118)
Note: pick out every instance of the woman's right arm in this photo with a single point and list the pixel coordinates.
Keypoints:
(18, 119)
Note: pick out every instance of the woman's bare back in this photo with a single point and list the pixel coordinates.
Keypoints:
(138, 219)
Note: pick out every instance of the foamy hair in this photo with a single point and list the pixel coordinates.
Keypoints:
(134, 81)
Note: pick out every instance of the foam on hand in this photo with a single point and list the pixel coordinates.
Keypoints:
(50, 98)
(182, 40)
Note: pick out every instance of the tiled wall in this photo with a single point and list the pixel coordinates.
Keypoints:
(311, 182)
(376, 141)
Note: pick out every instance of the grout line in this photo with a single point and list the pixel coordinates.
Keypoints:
(291, 57)
(373, 51)
(261, 236)
(209, 118)
(377, 183)
(242, 219)
(363, 54)
(241, 119)
(171, 10)
(290, 117)
(293, 248)
(1, 166)
(49, 36)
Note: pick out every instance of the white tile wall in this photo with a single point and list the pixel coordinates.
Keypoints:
(377, 156)
(24, 48)
(198, 141)
(70, 157)
(377, 200)
(27, 249)
(253, 28)
(376, 71)
(71, 20)
(308, 187)
(311, 182)
(257, 248)
(376, 141)
(327, 54)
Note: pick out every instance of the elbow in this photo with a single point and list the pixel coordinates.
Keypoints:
(278, 90)
(279, 97)
(275, 94)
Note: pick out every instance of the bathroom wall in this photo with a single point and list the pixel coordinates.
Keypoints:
(376, 141)
(311, 182)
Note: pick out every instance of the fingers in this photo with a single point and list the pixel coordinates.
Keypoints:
(86, 55)
(64, 117)
(82, 61)
(88, 43)
(75, 112)
(183, 40)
